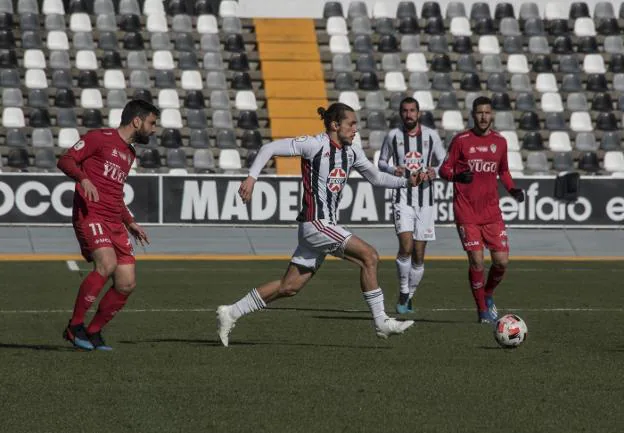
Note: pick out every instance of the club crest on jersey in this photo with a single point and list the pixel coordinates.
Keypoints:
(79, 145)
(336, 180)
(413, 161)
(493, 148)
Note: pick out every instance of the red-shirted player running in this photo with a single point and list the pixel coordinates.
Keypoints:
(100, 163)
(477, 157)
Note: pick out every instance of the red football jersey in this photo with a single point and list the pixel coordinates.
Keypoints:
(104, 158)
(486, 157)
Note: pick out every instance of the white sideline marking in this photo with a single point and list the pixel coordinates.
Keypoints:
(434, 310)
(72, 266)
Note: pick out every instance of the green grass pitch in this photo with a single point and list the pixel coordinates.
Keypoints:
(313, 363)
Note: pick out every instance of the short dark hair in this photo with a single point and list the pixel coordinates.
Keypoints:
(481, 100)
(334, 113)
(137, 108)
(409, 100)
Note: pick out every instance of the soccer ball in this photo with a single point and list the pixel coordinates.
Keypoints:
(510, 331)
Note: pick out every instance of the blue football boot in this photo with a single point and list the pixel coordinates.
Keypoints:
(77, 336)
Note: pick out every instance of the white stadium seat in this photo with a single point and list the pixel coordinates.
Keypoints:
(191, 80)
(425, 100)
(228, 8)
(229, 159)
(171, 118)
(53, 7)
(57, 40)
(488, 44)
(336, 26)
(512, 140)
(80, 22)
(153, 7)
(114, 79)
(460, 26)
(580, 121)
(546, 82)
(584, 26)
(91, 98)
(36, 79)
(416, 62)
(517, 64)
(594, 64)
(246, 100)
(552, 103)
(34, 59)
(67, 137)
(339, 45)
(157, 23)
(452, 120)
(163, 60)
(351, 99)
(114, 117)
(559, 141)
(614, 161)
(514, 161)
(13, 117)
(168, 98)
(86, 60)
(556, 11)
(207, 24)
(395, 82)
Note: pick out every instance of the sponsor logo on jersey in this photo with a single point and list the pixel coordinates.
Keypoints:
(482, 148)
(503, 234)
(481, 166)
(472, 149)
(413, 161)
(102, 241)
(493, 148)
(472, 244)
(336, 180)
(79, 145)
(113, 171)
(326, 154)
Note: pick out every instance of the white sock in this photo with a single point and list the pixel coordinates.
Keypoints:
(249, 303)
(416, 275)
(403, 271)
(375, 301)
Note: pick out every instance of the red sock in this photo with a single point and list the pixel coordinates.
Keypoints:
(110, 304)
(87, 294)
(495, 276)
(476, 284)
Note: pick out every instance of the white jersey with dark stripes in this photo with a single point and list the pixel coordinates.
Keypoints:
(412, 152)
(324, 169)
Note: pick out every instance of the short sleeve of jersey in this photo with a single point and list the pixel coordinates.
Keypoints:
(84, 148)
(305, 145)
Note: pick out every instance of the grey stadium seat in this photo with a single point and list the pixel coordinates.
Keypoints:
(203, 160)
(537, 162)
(45, 159)
(42, 137)
(176, 158)
(199, 138)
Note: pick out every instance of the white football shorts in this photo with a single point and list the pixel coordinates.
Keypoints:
(418, 220)
(317, 239)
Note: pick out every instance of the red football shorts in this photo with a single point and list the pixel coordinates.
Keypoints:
(493, 236)
(93, 233)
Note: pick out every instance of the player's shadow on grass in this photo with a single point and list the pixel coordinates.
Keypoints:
(368, 318)
(38, 347)
(216, 343)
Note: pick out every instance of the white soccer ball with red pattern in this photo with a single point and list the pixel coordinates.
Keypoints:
(510, 331)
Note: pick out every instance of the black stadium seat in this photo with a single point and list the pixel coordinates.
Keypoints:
(430, 9)
(64, 98)
(17, 158)
(194, 99)
(602, 102)
(579, 10)
(92, 118)
(504, 10)
(251, 139)
(150, 159)
(332, 9)
(39, 118)
(368, 81)
(171, 138)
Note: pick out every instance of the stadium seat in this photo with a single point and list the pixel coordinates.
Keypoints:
(226, 139)
(395, 82)
(529, 121)
(375, 101)
(368, 81)
(606, 121)
(133, 41)
(229, 159)
(42, 137)
(614, 44)
(504, 120)
(17, 158)
(491, 63)
(513, 45)
(64, 98)
(532, 141)
(168, 98)
(36, 79)
(375, 139)
(528, 10)
(12, 98)
(406, 9)
(555, 121)
(534, 26)
(114, 79)
(559, 141)
(339, 45)
(517, 64)
(569, 64)
(191, 80)
(67, 137)
(555, 11)
(602, 102)
(111, 60)
(501, 101)
(460, 26)
(199, 138)
(452, 121)
(571, 83)
(462, 44)
(163, 60)
(598, 83)
(514, 161)
(388, 44)
(391, 62)
(587, 45)
(57, 40)
(91, 98)
(442, 82)
(546, 82)
(207, 24)
(229, 8)
(216, 81)
(618, 82)
(584, 26)
(416, 62)
(229, 25)
(438, 44)
(539, 45)
(366, 63)
(384, 26)
(34, 59)
(551, 102)
(361, 25)
(233, 43)
(114, 117)
(351, 99)
(10, 78)
(194, 99)
(31, 40)
(434, 26)
(614, 161)
(509, 27)
(55, 22)
(425, 100)
(80, 22)
(577, 102)
(171, 118)
(408, 26)
(344, 81)
(488, 44)
(410, 43)
(594, 64)
(247, 120)
(50, 7)
(586, 141)
(160, 41)
(497, 82)
(611, 140)
(246, 100)
(171, 138)
(465, 63)
(15, 137)
(213, 62)
(219, 99)
(210, 43)
(66, 117)
(580, 121)
(251, 139)
(176, 158)
(222, 119)
(356, 9)
(455, 9)
(512, 140)
(203, 161)
(537, 163)
(39, 118)
(86, 60)
(417, 81)
(563, 161)
(342, 63)
(83, 41)
(542, 63)
(578, 10)
(29, 21)
(376, 121)
(588, 162)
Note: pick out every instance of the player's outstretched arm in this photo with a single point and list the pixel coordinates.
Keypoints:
(384, 157)
(372, 174)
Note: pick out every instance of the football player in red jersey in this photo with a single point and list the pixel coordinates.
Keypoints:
(477, 158)
(100, 163)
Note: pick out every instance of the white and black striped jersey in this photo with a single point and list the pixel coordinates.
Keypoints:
(413, 152)
(325, 167)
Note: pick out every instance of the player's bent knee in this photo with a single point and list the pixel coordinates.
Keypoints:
(126, 288)
(371, 258)
(501, 263)
(288, 289)
(106, 268)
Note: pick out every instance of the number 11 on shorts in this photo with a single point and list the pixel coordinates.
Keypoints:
(96, 228)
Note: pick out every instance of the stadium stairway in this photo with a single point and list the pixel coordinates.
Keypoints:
(293, 78)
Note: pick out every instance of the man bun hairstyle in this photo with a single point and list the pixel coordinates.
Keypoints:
(481, 100)
(409, 100)
(334, 113)
(137, 108)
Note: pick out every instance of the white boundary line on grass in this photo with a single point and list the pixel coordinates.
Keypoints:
(434, 310)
